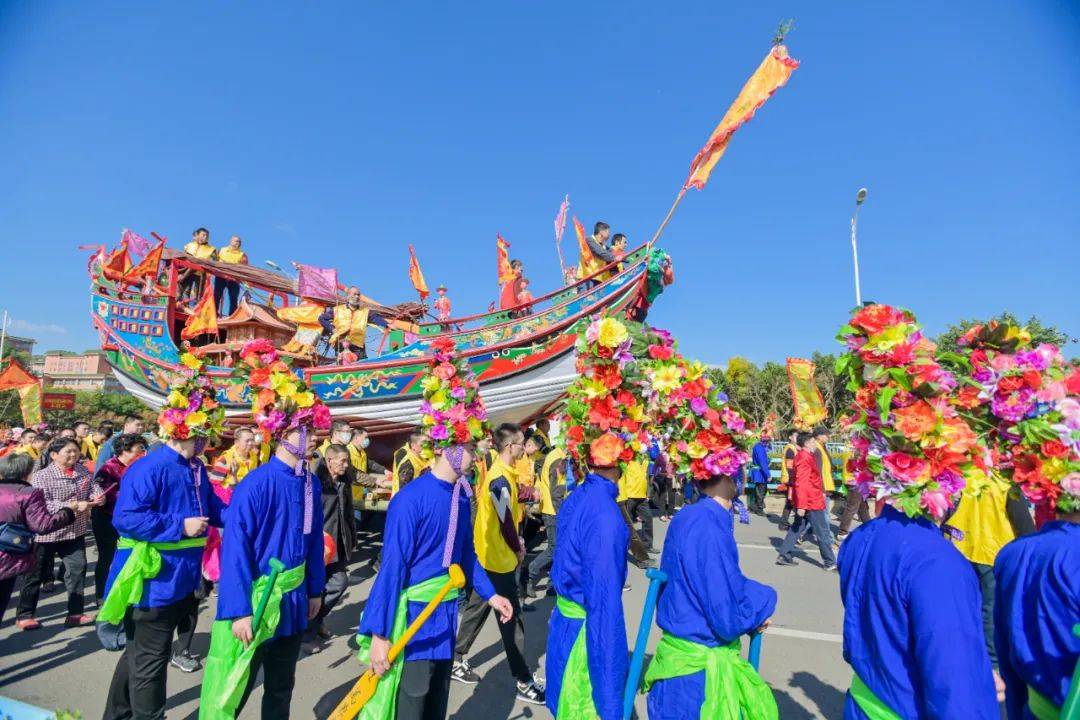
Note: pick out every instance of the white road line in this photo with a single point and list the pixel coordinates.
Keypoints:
(804, 634)
(751, 546)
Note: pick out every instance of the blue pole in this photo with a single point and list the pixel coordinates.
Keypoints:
(633, 679)
(754, 656)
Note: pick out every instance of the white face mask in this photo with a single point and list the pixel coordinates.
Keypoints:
(365, 442)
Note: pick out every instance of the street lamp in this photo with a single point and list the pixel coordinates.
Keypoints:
(860, 197)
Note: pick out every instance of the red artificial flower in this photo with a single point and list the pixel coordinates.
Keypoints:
(443, 344)
(1009, 384)
(576, 433)
(875, 318)
(902, 354)
(259, 377)
(608, 375)
(605, 353)
(1054, 449)
(967, 397)
(603, 413)
(942, 459)
(1072, 382)
(660, 352)
(182, 432)
(1027, 469)
(461, 433)
(1033, 379)
(627, 454)
(625, 398)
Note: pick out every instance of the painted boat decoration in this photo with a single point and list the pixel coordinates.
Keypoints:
(521, 356)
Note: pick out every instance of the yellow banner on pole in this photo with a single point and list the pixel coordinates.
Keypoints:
(809, 405)
(30, 404)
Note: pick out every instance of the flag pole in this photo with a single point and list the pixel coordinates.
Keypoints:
(667, 218)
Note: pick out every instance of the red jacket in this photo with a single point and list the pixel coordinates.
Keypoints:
(808, 492)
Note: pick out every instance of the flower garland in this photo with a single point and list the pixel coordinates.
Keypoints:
(191, 408)
(1027, 401)
(613, 399)
(280, 401)
(910, 446)
(452, 411)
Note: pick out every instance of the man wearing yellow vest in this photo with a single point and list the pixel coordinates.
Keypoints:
(346, 324)
(600, 254)
(499, 550)
(191, 280)
(410, 460)
(787, 475)
(233, 255)
(552, 485)
(634, 497)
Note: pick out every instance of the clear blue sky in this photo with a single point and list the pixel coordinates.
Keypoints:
(336, 133)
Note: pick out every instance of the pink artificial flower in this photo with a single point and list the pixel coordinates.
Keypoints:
(935, 502)
(904, 467)
(592, 333)
(1015, 406)
(439, 432)
(1002, 362)
(1071, 484)
(699, 405)
(444, 371)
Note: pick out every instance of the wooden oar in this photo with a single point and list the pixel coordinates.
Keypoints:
(364, 689)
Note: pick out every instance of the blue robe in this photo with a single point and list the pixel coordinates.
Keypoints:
(417, 524)
(590, 569)
(1036, 604)
(157, 494)
(266, 520)
(706, 599)
(912, 621)
(759, 472)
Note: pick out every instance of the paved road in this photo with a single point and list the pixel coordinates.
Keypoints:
(801, 656)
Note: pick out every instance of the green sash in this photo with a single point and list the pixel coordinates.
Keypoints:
(575, 697)
(731, 684)
(382, 705)
(144, 563)
(1041, 707)
(228, 665)
(868, 702)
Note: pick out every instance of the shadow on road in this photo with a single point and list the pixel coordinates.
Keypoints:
(829, 700)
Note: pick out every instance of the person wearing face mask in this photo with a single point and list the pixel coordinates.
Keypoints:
(410, 460)
(500, 551)
(369, 473)
(63, 481)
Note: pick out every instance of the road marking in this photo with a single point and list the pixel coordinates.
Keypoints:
(751, 546)
(804, 634)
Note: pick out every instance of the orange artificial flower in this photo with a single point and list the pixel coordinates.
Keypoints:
(605, 450)
(915, 420)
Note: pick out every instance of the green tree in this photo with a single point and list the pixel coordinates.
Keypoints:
(1040, 333)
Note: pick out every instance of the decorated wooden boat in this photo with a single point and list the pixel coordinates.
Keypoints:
(522, 356)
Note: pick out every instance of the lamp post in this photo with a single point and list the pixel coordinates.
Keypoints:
(859, 198)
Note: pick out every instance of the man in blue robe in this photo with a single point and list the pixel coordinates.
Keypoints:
(912, 630)
(428, 527)
(1037, 602)
(164, 506)
(759, 476)
(274, 514)
(704, 609)
(588, 574)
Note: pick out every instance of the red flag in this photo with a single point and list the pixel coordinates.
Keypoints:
(502, 259)
(15, 376)
(417, 276)
(771, 75)
(147, 266)
(203, 317)
(117, 264)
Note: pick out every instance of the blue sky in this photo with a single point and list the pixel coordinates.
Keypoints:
(336, 133)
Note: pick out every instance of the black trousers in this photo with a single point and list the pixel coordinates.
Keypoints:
(6, 587)
(105, 537)
(666, 495)
(185, 628)
(985, 573)
(222, 286)
(424, 690)
(337, 582)
(639, 512)
(542, 562)
(755, 497)
(73, 554)
(137, 690)
(513, 633)
(818, 521)
(277, 658)
(191, 283)
(854, 504)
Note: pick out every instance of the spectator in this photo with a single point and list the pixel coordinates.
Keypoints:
(24, 510)
(129, 448)
(63, 481)
(133, 425)
(808, 498)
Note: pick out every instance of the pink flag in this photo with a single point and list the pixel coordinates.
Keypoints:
(137, 244)
(560, 219)
(317, 283)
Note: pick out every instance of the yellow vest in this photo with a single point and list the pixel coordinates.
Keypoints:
(26, 450)
(243, 465)
(202, 252)
(233, 257)
(547, 505)
(542, 436)
(491, 549)
(419, 466)
(981, 517)
(525, 470)
(826, 471)
(358, 458)
(350, 324)
(633, 483)
(89, 449)
(588, 267)
(784, 472)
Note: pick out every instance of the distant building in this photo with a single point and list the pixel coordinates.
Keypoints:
(88, 371)
(19, 344)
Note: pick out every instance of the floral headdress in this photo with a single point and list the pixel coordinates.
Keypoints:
(1026, 400)
(452, 411)
(615, 395)
(910, 446)
(191, 408)
(280, 400)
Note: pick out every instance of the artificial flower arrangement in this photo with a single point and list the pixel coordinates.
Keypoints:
(910, 445)
(280, 400)
(191, 408)
(615, 396)
(452, 411)
(705, 435)
(1026, 400)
